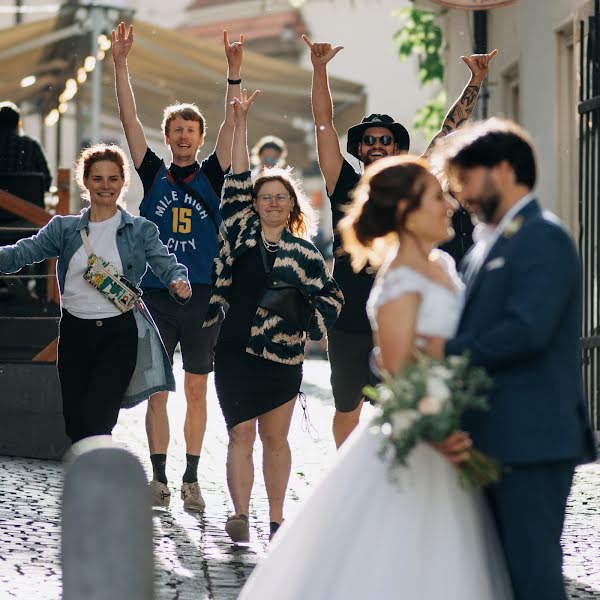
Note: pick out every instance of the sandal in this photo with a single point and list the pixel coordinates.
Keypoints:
(237, 528)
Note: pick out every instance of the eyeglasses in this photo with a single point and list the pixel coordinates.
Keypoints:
(268, 198)
(370, 140)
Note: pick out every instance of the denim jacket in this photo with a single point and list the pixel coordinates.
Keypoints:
(139, 245)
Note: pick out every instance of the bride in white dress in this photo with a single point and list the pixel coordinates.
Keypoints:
(362, 534)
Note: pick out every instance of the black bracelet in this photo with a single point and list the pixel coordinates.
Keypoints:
(234, 81)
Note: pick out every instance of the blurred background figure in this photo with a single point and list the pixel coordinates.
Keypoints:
(23, 172)
(270, 151)
(20, 153)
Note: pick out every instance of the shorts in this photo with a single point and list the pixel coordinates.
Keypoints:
(182, 323)
(349, 356)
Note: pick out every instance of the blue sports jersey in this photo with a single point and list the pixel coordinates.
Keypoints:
(185, 227)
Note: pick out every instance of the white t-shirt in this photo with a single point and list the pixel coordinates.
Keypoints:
(80, 298)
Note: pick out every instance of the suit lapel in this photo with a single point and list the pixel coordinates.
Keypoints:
(530, 210)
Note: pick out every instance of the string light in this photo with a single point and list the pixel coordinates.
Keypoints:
(89, 64)
(52, 117)
(28, 81)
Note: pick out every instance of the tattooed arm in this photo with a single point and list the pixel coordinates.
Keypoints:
(463, 107)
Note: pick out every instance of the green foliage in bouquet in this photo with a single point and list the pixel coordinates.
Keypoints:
(425, 403)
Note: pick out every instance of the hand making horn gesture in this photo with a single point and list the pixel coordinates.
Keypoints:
(321, 54)
(234, 53)
(478, 64)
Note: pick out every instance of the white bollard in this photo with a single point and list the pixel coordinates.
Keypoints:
(106, 527)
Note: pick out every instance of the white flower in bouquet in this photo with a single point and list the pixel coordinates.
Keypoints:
(441, 372)
(386, 396)
(455, 362)
(437, 388)
(403, 420)
(430, 405)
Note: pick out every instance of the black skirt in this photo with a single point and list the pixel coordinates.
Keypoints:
(249, 386)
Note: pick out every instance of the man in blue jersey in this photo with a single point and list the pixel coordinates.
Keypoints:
(183, 200)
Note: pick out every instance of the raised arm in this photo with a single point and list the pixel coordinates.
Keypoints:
(234, 53)
(463, 107)
(328, 143)
(240, 162)
(122, 42)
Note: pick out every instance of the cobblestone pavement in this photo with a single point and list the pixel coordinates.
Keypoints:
(193, 557)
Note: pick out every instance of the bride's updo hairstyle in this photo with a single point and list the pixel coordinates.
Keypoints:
(389, 190)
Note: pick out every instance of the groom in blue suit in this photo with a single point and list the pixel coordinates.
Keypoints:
(522, 322)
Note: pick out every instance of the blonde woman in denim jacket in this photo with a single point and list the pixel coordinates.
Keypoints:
(106, 358)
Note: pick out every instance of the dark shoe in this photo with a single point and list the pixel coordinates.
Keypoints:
(237, 528)
(273, 527)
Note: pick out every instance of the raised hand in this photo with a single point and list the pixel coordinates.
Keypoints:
(478, 64)
(121, 42)
(234, 53)
(321, 54)
(242, 106)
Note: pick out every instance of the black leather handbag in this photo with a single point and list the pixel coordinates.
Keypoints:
(285, 300)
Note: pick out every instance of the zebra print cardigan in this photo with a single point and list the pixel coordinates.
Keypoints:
(298, 262)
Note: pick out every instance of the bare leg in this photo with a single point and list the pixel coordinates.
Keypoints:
(157, 423)
(240, 467)
(195, 416)
(273, 428)
(344, 424)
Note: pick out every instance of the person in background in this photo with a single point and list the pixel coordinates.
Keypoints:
(270, 151)
(260, 352)
(98, 342)
(20, 153)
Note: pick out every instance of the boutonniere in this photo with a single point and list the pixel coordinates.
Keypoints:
(512, 227)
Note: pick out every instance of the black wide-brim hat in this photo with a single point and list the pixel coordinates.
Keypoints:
(355, 133)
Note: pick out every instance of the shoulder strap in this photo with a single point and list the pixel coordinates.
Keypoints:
(86, 242)
(196, 196)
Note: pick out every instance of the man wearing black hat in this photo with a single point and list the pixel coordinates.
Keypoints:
(377, 136)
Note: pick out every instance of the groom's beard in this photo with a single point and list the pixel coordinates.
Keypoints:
(488, 208)
(488, 202)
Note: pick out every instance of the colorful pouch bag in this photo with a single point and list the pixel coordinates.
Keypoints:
(105, 277)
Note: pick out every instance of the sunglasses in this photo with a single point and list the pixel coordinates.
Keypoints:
(370, 140)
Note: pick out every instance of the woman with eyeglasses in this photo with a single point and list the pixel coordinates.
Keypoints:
(278, 292)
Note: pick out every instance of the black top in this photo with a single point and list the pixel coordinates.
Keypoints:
(210, 166)
(22, 154)
(248, 285)
(356, 287)
(463, 235)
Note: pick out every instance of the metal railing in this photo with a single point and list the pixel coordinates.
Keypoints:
(589, 210)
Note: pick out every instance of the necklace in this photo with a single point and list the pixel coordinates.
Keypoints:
(269, 246)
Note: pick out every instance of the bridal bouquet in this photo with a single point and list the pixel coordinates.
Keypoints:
(425, 404)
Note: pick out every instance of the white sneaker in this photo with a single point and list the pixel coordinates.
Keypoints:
(192, 496)
(161, 495)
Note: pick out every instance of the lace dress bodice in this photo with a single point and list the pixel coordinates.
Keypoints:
(440, 308)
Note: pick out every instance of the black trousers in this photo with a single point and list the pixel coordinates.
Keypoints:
(96, 359)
